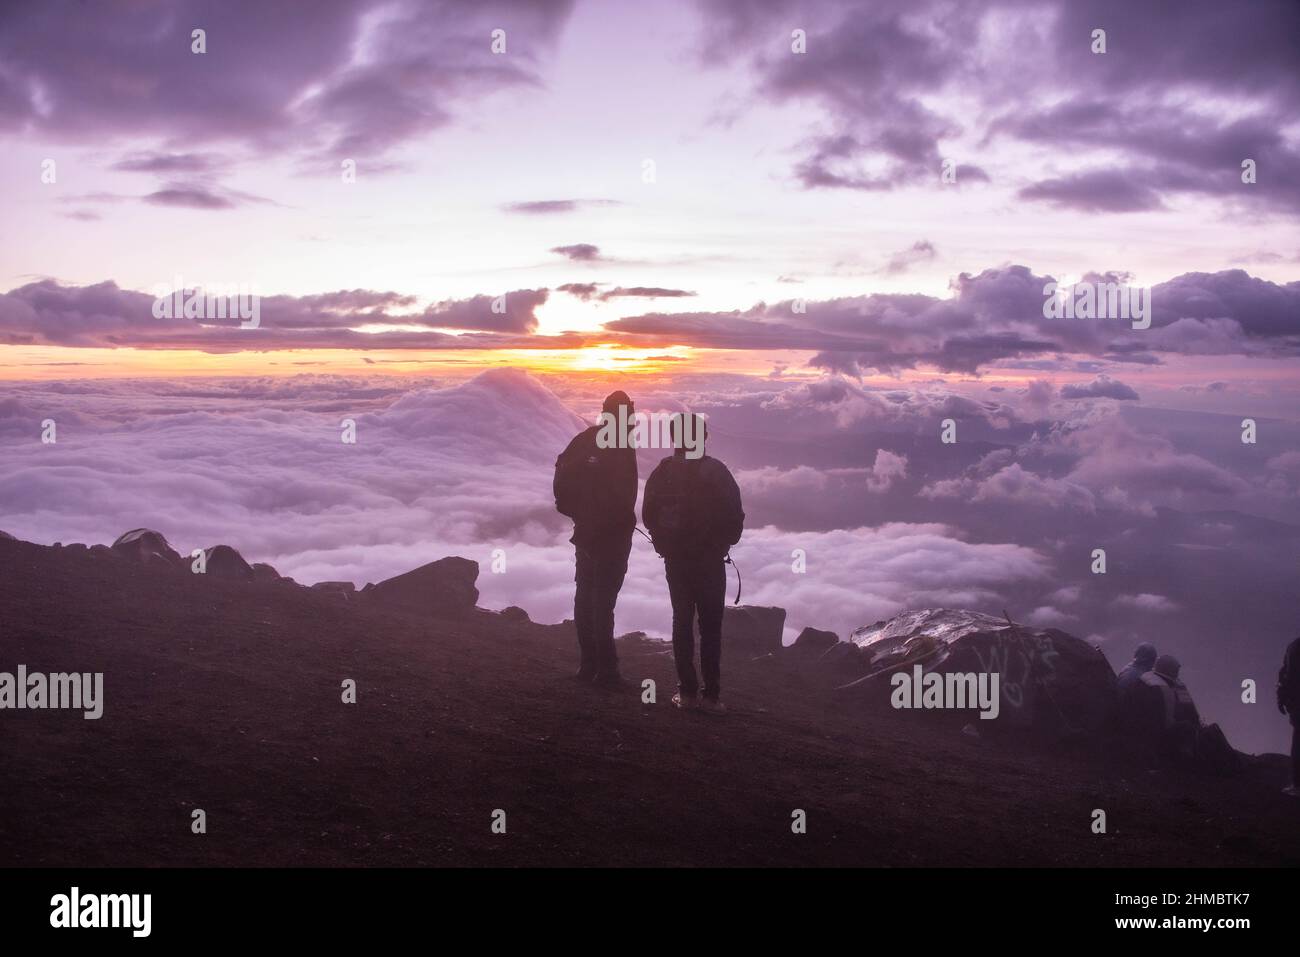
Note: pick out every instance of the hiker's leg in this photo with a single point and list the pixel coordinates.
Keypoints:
(584, 578)
(611, 569)
(1295, 752)
(681, 591)
(711, 594)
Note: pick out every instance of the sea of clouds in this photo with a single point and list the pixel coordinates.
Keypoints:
(856, 479)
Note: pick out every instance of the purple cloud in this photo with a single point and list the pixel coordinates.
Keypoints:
(995, 316)
(158, 162)
(546, 207)
(579, 290)
(358, 78)
(919, 252)
(895, 81)
(1102, 191)
(106, 316)
(1102, 387)
(189, 197)
(644, 292)
(578, 252)
(514, 312)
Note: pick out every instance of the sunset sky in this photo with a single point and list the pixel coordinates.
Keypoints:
(776, 176)
(673, 200)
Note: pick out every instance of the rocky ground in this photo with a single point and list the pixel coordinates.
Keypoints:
(224, 693)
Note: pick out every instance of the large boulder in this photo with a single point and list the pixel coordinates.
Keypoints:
(1047, 678)
(891, 634)
(812, 642)
(753, 629)
(147, 547)
(445, 589)
(343, 591)
(222, 561)
(635, 644)
(262, 572)
(5, 535)
(844, 658)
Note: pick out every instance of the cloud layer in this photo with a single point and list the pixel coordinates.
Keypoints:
(885, 515)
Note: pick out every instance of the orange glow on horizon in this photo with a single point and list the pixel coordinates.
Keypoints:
(605, 361)
(46, 363)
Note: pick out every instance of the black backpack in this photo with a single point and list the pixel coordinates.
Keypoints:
(679, 508)
(577, 484)
(693, 512)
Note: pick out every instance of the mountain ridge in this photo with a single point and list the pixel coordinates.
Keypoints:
(224, 695)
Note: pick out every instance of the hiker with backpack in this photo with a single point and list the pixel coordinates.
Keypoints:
(595, 485)
(692, 511)
(1171, 722)
(1170, 726)
(1288, 702)
(1130, 676)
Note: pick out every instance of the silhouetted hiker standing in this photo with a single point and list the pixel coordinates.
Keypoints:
(1288, 702)
(596, 487)
(692, 511)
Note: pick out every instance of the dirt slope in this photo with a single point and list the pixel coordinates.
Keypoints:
(225, 696)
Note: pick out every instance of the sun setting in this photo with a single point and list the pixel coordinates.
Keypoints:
(692, 434)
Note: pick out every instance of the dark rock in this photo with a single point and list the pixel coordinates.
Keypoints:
(8, 536)
(222, 561)
(103, 551)
(753, 628)
(262, 572)
(147, 547)
(1048, 679)
(845, 658)
(345, 591)
(514, 613)
(444, 588)
(637, 644)
(814, 641)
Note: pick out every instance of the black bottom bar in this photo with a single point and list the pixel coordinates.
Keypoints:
(216, 907)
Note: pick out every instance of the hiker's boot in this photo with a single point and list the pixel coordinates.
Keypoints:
(712, 706)
(684, 701)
